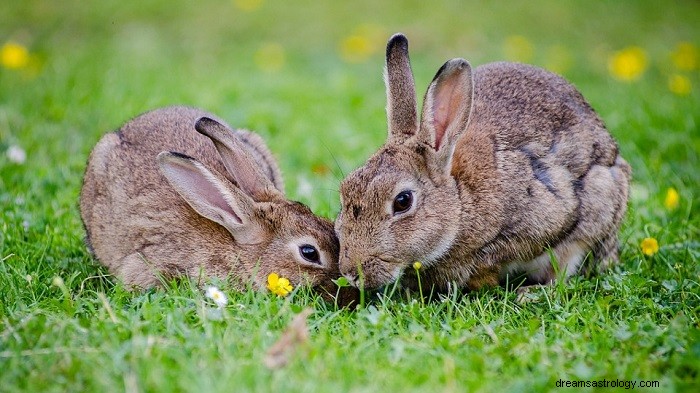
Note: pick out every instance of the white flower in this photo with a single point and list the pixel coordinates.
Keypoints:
(304, 187)
(216, 295)
(16, 154)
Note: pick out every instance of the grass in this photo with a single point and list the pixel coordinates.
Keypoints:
(94, 66)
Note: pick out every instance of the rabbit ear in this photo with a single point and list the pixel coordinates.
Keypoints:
(446, 109)
(239, 163)
(211, 197)
(400, 90)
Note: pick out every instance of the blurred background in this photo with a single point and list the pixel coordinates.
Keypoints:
(307, 76)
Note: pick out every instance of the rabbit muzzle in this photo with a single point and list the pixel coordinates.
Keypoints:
(371, 273)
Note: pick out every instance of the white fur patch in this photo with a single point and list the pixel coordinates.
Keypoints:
(440, 249)
(569, 256)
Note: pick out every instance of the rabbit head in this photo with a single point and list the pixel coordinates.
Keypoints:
(284, 236)
(403, 205)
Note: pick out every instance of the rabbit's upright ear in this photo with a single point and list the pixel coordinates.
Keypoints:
(212, 197)
(241, 165)
(400, 90)
(446, 109)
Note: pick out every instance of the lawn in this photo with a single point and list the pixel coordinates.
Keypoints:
(307, 76)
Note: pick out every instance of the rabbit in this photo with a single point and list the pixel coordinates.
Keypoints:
(151, 210)
(509, 171)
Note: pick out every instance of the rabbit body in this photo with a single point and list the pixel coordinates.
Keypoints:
(143, 221)
(508, 162)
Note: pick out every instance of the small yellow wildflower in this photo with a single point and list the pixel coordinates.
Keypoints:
(679, 84)
(355, 49)
(685, 56)
(320, 169)
(672, 199)
(650, 246)
(248, 5)
(362, 43)
(280, 286)
(417, 265)
(518, 48)
(270, 57)
(628, 64)
(217, 296)
(14, 56)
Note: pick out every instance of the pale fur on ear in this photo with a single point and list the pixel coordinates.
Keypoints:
(237, 161)
(446, 109)
(401, 106)
(210, 196)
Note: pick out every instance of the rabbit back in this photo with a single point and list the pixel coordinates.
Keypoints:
(546, 169)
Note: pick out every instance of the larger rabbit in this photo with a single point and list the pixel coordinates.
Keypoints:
(151, 211)
(508, 162)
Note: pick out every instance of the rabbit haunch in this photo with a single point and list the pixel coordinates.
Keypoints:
(506, 162)
(150, 209)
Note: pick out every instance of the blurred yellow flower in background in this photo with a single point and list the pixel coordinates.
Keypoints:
(248, 5)
(672, 199)
(649, 246)
(14, 56)
(518, 48)
(362, 43)
(685, 56)
(270, 57)
(679, 84)
(628, 64)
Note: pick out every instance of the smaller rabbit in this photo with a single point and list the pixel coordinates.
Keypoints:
(150, 209)
(507, 163)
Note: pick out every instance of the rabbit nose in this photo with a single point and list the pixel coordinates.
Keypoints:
(350, 272)
(353, 279)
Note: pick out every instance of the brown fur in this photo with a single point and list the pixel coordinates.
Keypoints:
(140, 227)
(508, 161)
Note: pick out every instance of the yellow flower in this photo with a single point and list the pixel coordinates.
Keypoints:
(248, 5)
(14, 56)
(270, 57)
(679, 84)
(361, 44)
(417, 265)
(685, 57)
(672, 199)
(518, 48)
(280, 286)
(355, 48)
(628, 64)
(650, 246)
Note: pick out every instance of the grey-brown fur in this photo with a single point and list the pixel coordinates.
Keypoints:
(143, 221)
(508, 161)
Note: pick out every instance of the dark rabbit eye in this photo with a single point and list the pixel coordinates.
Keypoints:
(310, 253)
(403, 201)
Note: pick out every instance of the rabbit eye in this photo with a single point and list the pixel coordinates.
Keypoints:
(403, 202)
(310, 253)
